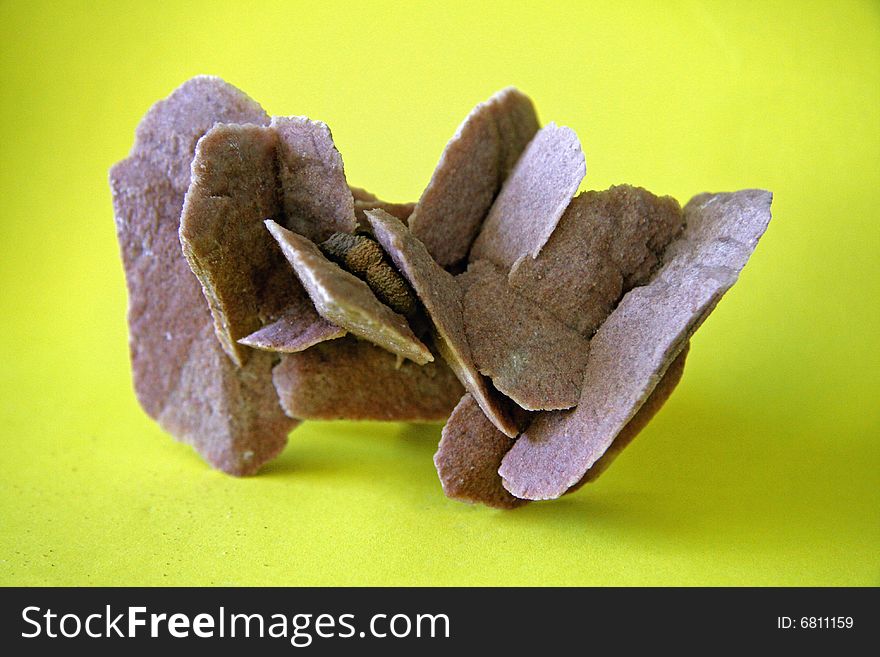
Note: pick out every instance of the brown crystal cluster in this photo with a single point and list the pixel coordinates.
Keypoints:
(363, 257)
(545, 328)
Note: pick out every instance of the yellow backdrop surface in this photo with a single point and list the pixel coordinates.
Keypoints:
(764, 467)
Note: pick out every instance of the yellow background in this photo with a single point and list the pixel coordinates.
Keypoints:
(764, 467)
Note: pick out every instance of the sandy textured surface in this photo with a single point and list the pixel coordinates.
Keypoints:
(533, 198)
(467, 459)
(441, 295)
(354, 380)
(182, 377)
(605, 244)
(633, 348)
(299, 328)
(530, 355)
(474, 164)
(233, 190)
(316, 198)
(345, 300)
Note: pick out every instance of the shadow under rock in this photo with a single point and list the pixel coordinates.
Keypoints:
(396, 456)
(289, 463)
(582, 512)
(314, 448)
(684, 477)
(422, 437)
(709, 475)
(593, 509)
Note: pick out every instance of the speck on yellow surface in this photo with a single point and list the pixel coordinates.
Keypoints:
(764, 467)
